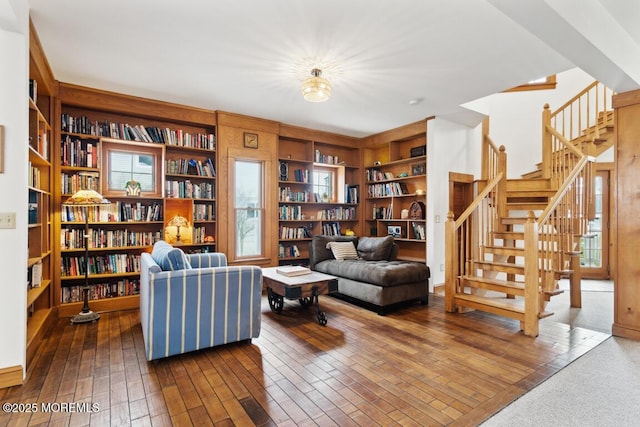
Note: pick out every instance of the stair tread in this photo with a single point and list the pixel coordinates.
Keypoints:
(506, 307)
(496, 282)
(499, 265)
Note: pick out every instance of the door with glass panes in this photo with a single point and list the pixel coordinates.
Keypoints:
(594, 245)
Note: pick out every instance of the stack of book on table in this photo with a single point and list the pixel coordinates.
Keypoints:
(292, 270)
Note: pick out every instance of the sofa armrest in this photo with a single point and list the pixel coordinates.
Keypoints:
(209, 259)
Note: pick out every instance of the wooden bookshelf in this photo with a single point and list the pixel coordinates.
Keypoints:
(178, 147)
(396, 180)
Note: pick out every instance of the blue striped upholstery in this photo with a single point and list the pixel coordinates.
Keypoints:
(187, 310)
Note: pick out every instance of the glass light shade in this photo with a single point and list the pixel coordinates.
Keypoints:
(87, 198)
(316, 88)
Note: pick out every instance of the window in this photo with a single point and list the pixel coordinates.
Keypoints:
(542, 83)
(248, 208)
(126, 162)
(328, 182)
(323, 184)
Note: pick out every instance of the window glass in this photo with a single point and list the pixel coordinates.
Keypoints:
(323, 184)
(127, 167)
(248, 208)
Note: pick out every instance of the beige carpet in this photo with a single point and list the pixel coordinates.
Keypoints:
(601, 388)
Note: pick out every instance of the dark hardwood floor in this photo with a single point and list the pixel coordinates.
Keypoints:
(418, 366)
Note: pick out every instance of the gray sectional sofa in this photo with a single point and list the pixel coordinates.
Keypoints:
(376, 279)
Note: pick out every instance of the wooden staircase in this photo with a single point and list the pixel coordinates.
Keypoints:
(507, 251)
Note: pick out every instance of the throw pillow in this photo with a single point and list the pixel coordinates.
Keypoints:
(168, 257)
(343, 250)
(375, 248)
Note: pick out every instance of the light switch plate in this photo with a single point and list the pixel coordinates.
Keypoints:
(8, 220)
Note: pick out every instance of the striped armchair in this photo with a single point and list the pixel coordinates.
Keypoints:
(204, 306)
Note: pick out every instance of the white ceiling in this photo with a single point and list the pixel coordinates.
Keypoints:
(250, 56)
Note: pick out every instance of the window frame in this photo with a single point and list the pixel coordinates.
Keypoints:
(261, 209)
(549, 83)
(156, 151)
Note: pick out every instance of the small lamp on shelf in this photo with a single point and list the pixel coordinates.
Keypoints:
(86, 199)
(177, 222)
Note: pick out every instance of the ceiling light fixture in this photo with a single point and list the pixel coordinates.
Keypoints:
(316, 88)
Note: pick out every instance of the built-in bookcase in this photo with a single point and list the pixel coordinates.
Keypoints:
(304, 210)
(177, 148)
(395, 176)
(40, 287)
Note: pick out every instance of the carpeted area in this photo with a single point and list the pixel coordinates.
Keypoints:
(598, 389)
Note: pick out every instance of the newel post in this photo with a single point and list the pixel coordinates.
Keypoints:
(547, 140)
(486, 156)
(451, 261)
(531, 276)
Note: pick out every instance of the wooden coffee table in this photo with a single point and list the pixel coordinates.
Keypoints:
(306, 288)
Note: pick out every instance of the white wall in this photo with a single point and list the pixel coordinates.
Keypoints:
(451, 147)
(516, 118)
(14, 108)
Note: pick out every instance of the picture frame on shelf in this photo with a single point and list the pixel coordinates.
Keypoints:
(250, 140)
(417, 169)
(394, 231)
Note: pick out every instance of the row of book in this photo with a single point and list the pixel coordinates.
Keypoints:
(383, 212)
(337, 214)
(200, 235)
(100, 264)
(288, 195)
(295, 232)
(290, 213)
(331, 229)
(388, 189)
(101, 290)
(378, 175)
(34, 177)
(288, 251)
(155, 134)
(33, 208)
(73, 238)
(78, 152)
(328, 159)
(204, 212)
(419, 231)
(190, 167)
(188, 190)
(114, 212)
(86, 180)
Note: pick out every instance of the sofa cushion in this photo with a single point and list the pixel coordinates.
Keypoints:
(343, 250)
(380, 273)
(168, 257)
(375, 248)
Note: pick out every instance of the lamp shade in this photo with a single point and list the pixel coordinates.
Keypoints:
(316, 88)
(87, 198)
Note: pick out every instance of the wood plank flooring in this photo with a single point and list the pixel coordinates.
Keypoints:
(418, 366)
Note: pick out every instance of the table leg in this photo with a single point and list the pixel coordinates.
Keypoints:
(322, 318)
(276, 302)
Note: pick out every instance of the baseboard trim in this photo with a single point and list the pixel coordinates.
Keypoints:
(10, 376)
(625, 332)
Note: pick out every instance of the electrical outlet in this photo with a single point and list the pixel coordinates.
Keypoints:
(437, 218)
(8, 220)
(441, 267)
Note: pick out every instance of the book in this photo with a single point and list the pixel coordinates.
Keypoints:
(292, 270)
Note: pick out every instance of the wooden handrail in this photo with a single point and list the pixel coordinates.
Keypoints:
(476, 202)
(555, 200)
(578, 96)
(568, 145)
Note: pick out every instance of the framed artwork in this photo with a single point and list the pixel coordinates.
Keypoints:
(417, 169)
(250, 140)
(1, 149)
